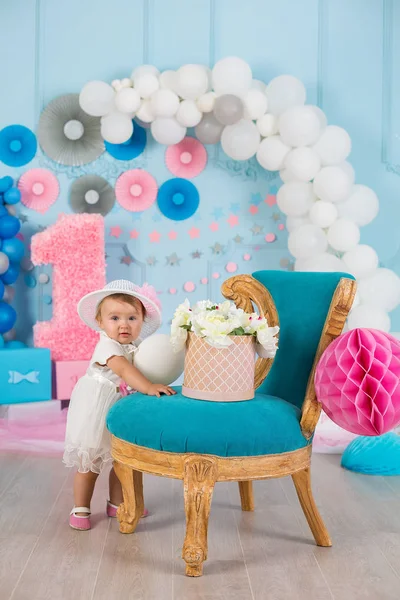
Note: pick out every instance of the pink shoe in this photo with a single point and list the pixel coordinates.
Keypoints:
(79, 522)
(112, 510)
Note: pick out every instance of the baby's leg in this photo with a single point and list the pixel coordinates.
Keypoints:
(115, 489)
(83, 489)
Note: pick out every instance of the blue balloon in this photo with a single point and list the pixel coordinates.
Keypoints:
(3, 211)
(1, 342)
(6, 183)
(14, 345)
(11, 275)
(9, 226)
(2, 288)
(8, 316)
(14, 249)
(12, 196)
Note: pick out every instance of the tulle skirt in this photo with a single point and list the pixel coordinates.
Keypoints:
(87, 440)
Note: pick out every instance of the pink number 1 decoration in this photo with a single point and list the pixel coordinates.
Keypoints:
(74, 245)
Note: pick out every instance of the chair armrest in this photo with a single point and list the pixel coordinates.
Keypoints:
(245, 291)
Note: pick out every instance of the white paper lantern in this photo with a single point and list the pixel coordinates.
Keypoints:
(116, 128)
(362, 205)
(332, 184)
(361, 261)
(167, 131)
(241, 140)
(307, 241)
(127, 100)
(293, 223)
(231, 75)
(343, 235)
(303, 163)
(323, 214)
(295, 198)
(157, 361)
(334, 145)
(164, 103)
(283, 92)
(206, 102)
(255, 104)
(381, 288)
(272, 153)
(299, 126)
(370, 317)
(188, 114)
(97, 98)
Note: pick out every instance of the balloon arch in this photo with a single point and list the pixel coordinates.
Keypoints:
(324, 206)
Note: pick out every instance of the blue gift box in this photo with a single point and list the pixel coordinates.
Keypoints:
(25, 375)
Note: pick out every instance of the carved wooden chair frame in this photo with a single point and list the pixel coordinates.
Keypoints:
(200, 472)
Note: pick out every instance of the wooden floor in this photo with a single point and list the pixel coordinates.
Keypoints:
(265, 555)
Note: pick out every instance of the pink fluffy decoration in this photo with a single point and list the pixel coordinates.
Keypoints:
(136, 190)
(357, 381)
(74, 245)
(39, 189)
(186, 159)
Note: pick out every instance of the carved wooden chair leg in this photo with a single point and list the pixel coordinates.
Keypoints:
(200, 475)
(132, 507)
(246, 495)
(302, 482)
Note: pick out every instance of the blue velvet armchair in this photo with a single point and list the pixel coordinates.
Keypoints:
(202, 442)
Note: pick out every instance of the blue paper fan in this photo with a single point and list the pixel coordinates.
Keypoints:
(130, 149)
(18, 145)
(178, 199)
(373, 455)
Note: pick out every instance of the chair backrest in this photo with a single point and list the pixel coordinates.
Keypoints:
(302, 301)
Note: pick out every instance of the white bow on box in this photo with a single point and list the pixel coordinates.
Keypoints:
(16, 377)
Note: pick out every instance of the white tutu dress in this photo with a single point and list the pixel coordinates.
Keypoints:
(87, 440)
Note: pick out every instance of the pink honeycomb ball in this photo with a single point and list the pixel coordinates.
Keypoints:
(357, 381)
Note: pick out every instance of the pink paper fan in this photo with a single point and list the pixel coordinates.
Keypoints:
(39, 189)
(186, 159)
(136, 190)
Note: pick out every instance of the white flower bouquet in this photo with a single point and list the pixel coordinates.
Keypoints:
(218, 323)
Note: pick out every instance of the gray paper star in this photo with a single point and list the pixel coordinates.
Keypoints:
(276, 216)
(151, 261)
(238, 239)
(173, 260)
(197, 254)
(217, 248)
(257, 229)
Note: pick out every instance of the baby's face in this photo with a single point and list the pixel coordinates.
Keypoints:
(121, 321)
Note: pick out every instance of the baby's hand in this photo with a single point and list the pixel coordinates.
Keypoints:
(156, 389)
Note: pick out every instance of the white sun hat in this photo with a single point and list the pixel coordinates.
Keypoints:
(87, 306)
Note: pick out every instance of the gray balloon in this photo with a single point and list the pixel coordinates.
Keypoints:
(10, 335)
(4, 263)
(209, 130)
(228, 109)
(9, 293)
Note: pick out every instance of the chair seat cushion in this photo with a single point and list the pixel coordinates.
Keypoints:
(265, 425)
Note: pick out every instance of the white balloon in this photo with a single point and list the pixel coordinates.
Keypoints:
(167, 131)
(168, 80)
(283, 92)
(334, 145)
(255, 104)
(127, 100)
(144, 70)
(257, 84)
(206, 102)
(116, 128)
(4, 263)
(293, 223)
(324, 263)
(188, 114)
(362, 205)
(272, 152)
(299, 126)
(323, 214)
(323, 121)
(191, 81)
(300, 264)
(147, 84)
(267, 125)
(361, 261)
(286, 175)
(97, 98)
(164, 103)
(295, 198)
(231, 75)
(381, 288)
(349, 169)
(307, 241)
(303, 163)
(332, 184)
(145, 112)
(343, 235)
(370, 317)
(241, 140)
(157, 361)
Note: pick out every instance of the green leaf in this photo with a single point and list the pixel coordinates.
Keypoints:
(187, 327)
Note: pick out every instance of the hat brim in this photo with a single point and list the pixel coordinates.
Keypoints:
(87, 309)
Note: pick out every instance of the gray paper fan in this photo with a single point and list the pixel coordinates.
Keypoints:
(92, 194)
(67, 134)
